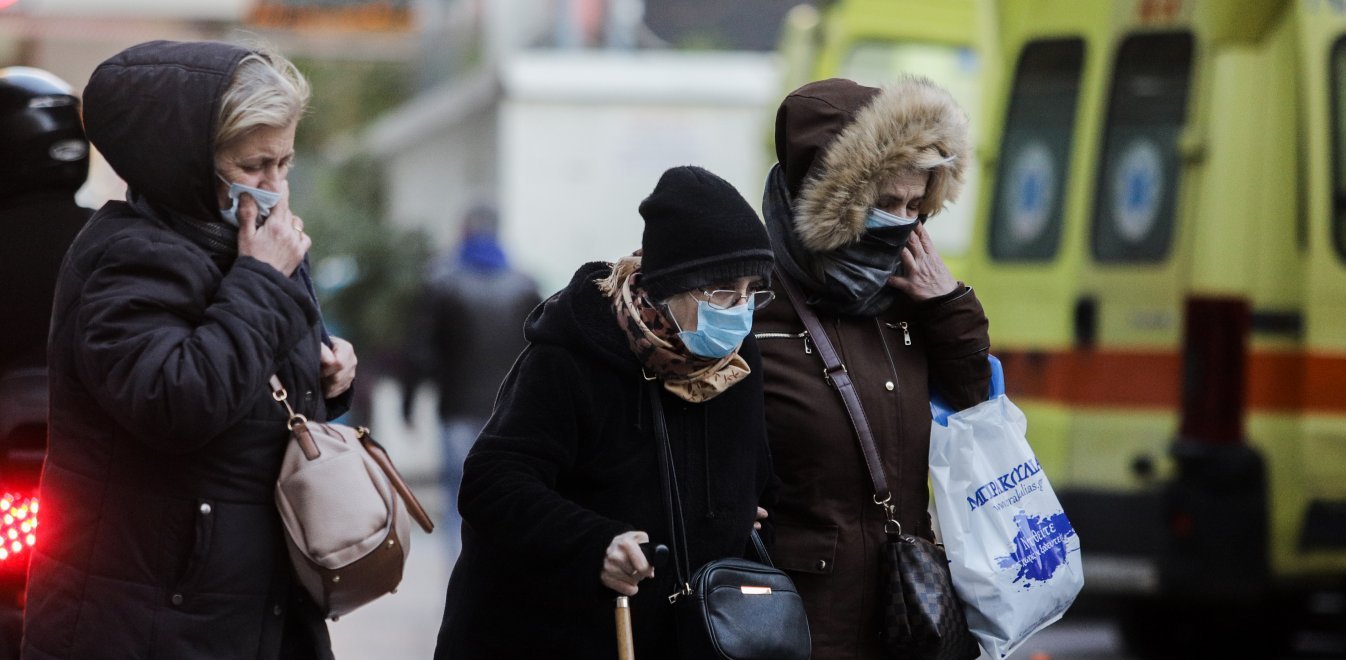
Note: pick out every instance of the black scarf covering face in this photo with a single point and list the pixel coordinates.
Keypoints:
(849, 281)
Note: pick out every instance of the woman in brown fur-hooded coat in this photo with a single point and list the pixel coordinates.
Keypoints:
(900, 322)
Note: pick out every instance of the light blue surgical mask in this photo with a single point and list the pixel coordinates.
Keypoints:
(879, 218)
(266, 200)
(718, 331)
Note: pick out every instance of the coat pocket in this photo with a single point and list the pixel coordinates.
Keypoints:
(198, 553)
(805, 548)
(802, 337)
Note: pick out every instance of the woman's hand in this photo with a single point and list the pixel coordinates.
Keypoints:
(761, 515)
(281, 242)
(924, 275)
(338, 367)
(624, 564)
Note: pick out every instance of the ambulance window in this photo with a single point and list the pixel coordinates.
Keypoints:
(1339, 146)
(1137, 185)
(955, 68)
(1035, 152)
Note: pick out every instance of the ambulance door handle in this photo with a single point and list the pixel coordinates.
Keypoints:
(1086, 322)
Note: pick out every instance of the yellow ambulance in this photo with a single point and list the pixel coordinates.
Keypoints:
(1159, 238)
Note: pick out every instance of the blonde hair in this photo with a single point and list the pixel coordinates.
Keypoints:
(266, 90)
(941, 187)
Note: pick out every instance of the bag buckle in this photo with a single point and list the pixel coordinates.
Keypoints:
(890, 524)
(280, 396)
(827, 374)
(686, 590)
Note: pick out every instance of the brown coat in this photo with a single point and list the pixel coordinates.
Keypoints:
(827, 528)
(837, 144)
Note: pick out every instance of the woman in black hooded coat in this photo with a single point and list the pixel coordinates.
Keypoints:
(159, 534)
(564, 481)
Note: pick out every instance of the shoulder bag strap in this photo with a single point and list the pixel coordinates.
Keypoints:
(672, 500)
(760, 547)
(834, 371)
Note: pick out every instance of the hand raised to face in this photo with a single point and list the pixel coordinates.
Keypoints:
(924, 274)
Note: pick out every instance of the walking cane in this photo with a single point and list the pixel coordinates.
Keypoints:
(626, 645)
(626, 641)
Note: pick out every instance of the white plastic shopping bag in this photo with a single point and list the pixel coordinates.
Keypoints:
(1014, 557)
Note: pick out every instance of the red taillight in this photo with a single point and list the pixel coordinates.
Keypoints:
(1214, 356)
(18, 528)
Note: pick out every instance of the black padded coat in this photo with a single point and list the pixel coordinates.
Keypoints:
(566, 463)
(159, 535)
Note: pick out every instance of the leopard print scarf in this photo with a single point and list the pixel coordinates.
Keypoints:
(654, 340)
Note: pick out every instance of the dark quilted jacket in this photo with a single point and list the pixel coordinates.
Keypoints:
(160, 537)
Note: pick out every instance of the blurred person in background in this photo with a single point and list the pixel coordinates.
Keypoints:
(564, 483)
(859, 170)
(467, 333)
(46, 160)
(172, 311)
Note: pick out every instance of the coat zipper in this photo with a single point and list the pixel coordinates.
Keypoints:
(808, 350)
(906, 331)
(897, 409)
(884, 340)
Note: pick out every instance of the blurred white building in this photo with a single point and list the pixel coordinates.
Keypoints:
(565, 133)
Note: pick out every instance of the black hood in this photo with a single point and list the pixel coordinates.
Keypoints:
(579, 318)
(151, 111)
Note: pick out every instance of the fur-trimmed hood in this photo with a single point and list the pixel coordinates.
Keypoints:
(875, 134)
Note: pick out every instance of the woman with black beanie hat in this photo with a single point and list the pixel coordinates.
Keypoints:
(564, 482)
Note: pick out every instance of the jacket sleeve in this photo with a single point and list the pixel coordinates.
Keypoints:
(958, 341)
(509, 490)
(175, 356)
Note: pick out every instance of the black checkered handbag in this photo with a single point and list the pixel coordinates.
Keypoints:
(922, 617)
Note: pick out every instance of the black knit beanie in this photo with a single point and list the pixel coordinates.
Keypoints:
(699, 231)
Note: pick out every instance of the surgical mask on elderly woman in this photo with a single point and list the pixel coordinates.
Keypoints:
(266, 200)
(718, 331)
(859, 271)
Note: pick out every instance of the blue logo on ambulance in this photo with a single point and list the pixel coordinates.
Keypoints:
(1137, 189)
(1032, 191)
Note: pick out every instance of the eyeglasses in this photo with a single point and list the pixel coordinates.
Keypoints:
(728, 298)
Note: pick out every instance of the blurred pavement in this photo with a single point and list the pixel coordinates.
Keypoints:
(402, 626)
